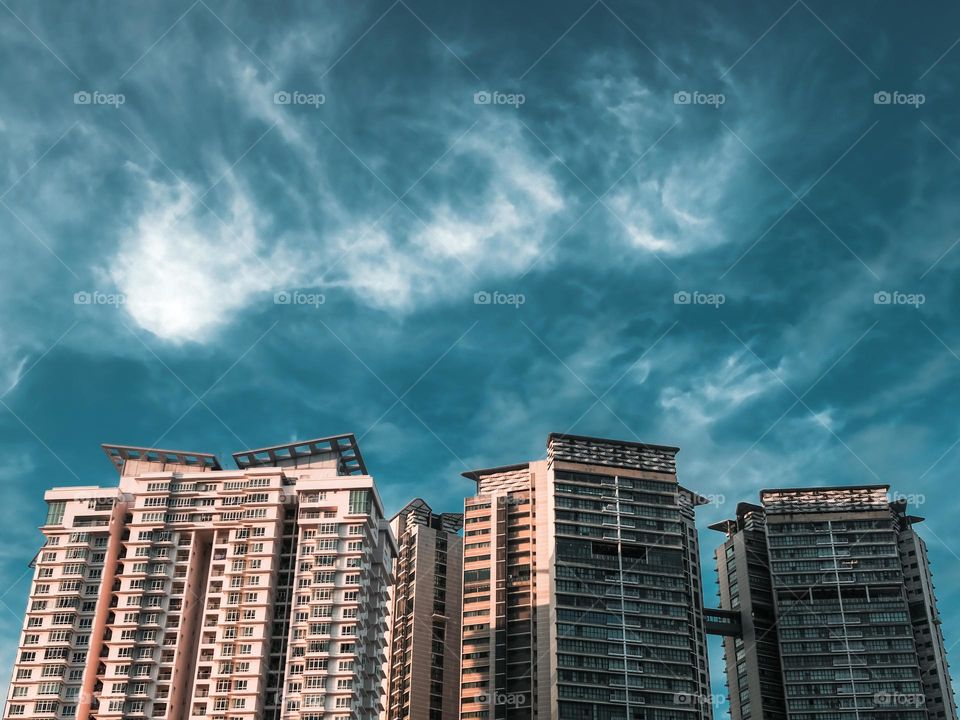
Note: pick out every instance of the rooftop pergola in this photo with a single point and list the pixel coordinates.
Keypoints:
(344, 447)
(119, 454)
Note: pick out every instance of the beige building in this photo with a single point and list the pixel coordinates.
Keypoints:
(195, 592)
(424, 663)
(581, 588)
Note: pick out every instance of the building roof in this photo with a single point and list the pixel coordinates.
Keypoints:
(834, 498)
(119, 454)
(597, 451)
(625, 443)
(417, 506)
(731, 525)
(613, 453)
(350, 461)
(421, 513)
(824, 488)
(477, 474)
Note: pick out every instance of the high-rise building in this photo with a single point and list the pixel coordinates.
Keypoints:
(424, 654)
(192, 591)
(833, 597)
(581, 588)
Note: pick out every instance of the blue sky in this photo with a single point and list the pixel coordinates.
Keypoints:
(379, 165)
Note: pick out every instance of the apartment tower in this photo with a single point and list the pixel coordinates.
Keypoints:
(424, 673)
(195, 592)
(836, 609)
(581, 588)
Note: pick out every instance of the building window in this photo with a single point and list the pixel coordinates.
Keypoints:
(55, 512)
(359, 502)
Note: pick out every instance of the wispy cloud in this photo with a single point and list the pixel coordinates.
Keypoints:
(737, 379)
(493, 231)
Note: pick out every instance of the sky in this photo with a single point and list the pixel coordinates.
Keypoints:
(452, 228)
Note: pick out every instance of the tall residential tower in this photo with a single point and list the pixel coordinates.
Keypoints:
(196, 592)
(424, 673)
(581, 588)
(834, 598)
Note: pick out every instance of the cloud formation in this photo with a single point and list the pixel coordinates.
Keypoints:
(185, 271)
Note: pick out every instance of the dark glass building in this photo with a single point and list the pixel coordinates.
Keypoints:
(832, 594)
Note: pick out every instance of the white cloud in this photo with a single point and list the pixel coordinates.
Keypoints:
(739, 378)
(13, 358)
(12, 372)
(676, 212)
(185, 273)
(826, 419)
(495, 233)
(671, 200)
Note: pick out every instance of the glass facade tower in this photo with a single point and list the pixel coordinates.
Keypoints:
(838, 618)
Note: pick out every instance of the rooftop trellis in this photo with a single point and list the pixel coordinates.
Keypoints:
(826, 499)
(119, 454)
(343, 447)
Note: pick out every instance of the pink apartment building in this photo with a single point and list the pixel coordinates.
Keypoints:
(191, 592)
